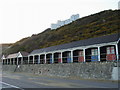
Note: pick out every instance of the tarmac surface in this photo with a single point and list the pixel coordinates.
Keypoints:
(20, 81)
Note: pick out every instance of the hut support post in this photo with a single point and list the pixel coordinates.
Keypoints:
(52, 57)
(61, 58)
(38, 59)
(17, 60)
(84, 54)
(21, 60)
(33, 59)
(28, 59)
(98, 53)
(7, 62)
(71, 56)
(117, 55)
(45, 59)
(10, 61)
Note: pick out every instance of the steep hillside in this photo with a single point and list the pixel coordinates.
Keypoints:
(102, 23)
(3, 47)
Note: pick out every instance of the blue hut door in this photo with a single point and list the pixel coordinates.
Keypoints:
(50, 58)
(68, 57)
(94, 56)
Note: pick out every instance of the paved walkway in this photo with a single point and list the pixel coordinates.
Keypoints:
(25, 80)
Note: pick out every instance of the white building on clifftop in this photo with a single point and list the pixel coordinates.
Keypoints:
(65, 22)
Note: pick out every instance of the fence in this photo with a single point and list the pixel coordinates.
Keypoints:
(76, 59)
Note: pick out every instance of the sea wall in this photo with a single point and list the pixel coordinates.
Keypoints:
(92, 70)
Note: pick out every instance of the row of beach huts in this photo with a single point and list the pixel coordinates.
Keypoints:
(99, 49)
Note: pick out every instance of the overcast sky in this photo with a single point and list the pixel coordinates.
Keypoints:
(22, 18)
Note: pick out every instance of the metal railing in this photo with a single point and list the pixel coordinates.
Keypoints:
(76, 59)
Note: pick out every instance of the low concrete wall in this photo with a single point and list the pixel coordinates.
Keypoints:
(116, 73)
(92, 70)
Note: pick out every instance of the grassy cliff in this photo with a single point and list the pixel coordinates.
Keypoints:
(99, 24)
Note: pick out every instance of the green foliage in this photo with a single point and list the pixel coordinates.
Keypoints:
(102, 23)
